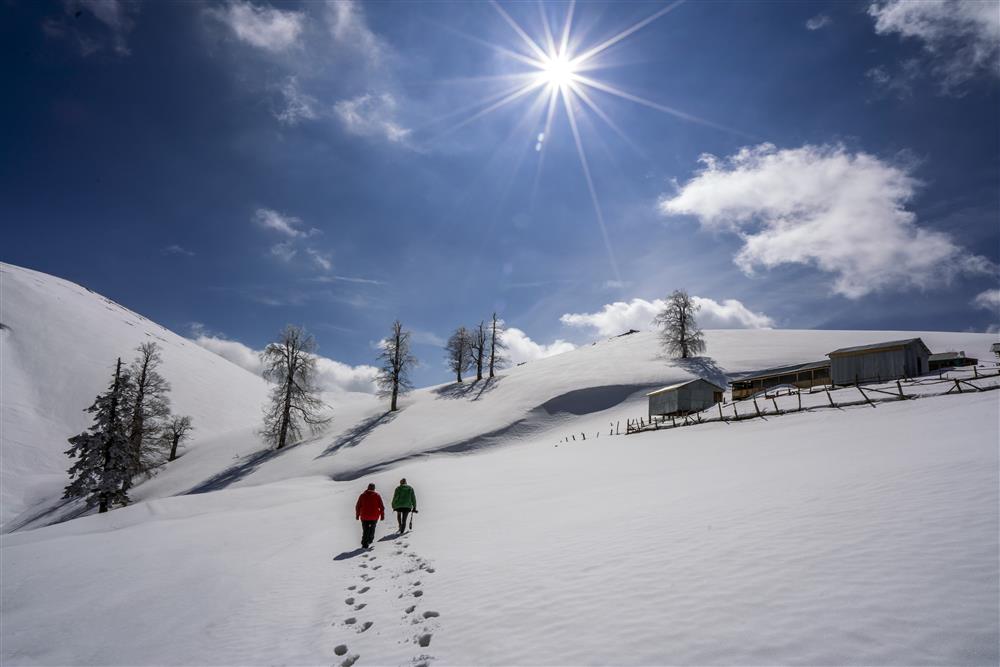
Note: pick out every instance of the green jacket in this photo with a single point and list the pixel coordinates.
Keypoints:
(404, 498)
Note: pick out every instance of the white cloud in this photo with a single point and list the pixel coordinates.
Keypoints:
(175, 249)
(284, 251)
(620, 316)
(823, 206)
(962, 37)
(261, 26)
(321, 260)
(372, 115)
(818, 21)
(347, 23)
(296, 105)
(520, 347)
(898, 83)
(331, 375)
(280, 222)
(347, 279)
(988, 300)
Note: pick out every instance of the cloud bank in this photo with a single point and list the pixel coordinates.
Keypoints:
(823, 206)
(520, 347)
(331, 375)
(961, 37)
(263, 27)
(620, 316)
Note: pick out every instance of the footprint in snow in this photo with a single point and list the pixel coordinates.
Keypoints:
(351, 588)
(424, 639)
(367, 577)
(417, 593)
(351, 660)
(350, 621)
(415, 583)
(365, 626)
(376, 567)
(349, 601)
(362, 565)
(411, 608)
(430, 570)
(365, 589)
(431, 614)
(359, 607)
(341, 649)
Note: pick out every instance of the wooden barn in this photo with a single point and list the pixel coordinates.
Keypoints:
(684, 398)
(943, 360)
(879, 361)
(803, 376)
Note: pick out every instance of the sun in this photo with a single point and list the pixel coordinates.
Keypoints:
(557, 70)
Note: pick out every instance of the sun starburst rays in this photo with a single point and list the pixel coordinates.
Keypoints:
(556, 76)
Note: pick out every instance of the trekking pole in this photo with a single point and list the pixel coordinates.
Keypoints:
(411, 519)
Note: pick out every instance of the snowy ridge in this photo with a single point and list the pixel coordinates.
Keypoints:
(59, 346)
(849, 536)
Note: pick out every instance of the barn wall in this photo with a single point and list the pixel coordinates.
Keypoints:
(696, 397)
(882, 365)
(663, 404)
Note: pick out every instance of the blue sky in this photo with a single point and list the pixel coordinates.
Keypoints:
(227, 168)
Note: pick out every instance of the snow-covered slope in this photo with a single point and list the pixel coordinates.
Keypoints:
(58, 348)
(856, 536)
(852, 536)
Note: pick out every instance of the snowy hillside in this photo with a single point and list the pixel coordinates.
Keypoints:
(59, 345)
(847, 536)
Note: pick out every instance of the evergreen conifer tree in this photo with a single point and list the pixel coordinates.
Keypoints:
(102, 452)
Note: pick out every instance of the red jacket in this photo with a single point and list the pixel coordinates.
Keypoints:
(369, 507)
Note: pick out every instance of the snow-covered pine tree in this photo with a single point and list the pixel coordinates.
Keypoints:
(177, 430)
(396, 361)
(458, 352)
(497, 345)
(148, 408)
(290, 363)
(478, 344)
(102, 452)
(679, 332)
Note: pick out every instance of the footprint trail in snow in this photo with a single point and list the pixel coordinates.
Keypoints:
(397, 588)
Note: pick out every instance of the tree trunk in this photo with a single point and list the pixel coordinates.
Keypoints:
(115, 391)
(287, 407)
(173, 447)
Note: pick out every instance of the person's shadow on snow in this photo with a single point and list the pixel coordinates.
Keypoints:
(349, 554)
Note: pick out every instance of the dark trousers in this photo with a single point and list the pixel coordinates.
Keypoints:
(401, 515)
(367, 533)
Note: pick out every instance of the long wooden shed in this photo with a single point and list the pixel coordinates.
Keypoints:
(684, 397)
(879, 361)
(803, 376)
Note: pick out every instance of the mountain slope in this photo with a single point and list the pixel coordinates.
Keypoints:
(59, 344)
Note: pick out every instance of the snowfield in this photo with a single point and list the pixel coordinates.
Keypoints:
(851, 536)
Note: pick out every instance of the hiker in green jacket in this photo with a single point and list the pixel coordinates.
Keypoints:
(404, 501)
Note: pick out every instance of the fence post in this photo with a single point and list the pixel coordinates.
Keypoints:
(736, 415)
(721, 418)
(958, 386)
(799, 394)
(755, 406)
(775, 402)
(866, 397)
(832, 404)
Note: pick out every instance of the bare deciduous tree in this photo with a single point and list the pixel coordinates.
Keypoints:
(177, 430)
(394, 375)
(478, 344)
(147, 408)
(458, 352)
(497, 345)
(679, 332)
(290, 363)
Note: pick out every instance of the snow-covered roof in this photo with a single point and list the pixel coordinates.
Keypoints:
(941, 356)
(874, 347)
(782, 370)
(683, 384)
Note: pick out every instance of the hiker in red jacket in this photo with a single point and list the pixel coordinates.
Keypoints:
(369, 510)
